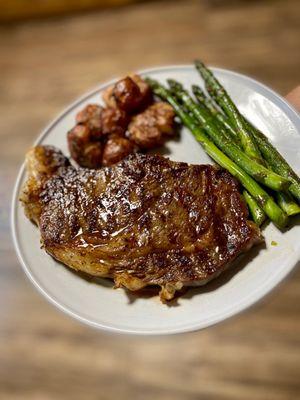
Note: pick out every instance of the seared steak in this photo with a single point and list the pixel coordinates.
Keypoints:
(145, 221)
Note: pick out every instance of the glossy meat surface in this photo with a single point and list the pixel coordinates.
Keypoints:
(144, 221)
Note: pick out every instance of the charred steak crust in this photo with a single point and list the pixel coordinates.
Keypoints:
(147, 220)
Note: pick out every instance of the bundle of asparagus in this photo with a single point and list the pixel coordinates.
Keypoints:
(236, 145)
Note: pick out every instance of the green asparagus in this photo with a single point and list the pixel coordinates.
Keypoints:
(261, 196)
(219, 94)
(285, 201)
(207, 102)
(257, 213)
(223, 141)
(276, 161)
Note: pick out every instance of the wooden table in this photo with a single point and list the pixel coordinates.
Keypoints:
(45, 65)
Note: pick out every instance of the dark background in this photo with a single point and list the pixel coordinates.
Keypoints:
(50, 53)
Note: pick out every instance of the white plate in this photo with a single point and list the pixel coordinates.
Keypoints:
(97, 304)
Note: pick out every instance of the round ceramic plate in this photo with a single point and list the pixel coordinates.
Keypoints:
(97, 304)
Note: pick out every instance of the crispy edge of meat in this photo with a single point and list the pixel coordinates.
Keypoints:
(44, 161)
(41, 163)
(168, 291)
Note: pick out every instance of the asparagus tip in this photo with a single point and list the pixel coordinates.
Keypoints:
(174, 84)
(199, 63)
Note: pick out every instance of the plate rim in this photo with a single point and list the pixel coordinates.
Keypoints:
(248, 302)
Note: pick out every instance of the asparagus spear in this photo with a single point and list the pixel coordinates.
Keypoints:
(260, 195)
(207, 102)
(218, 93)
(257, 213)
(285, 201)
(223, 141)
(271, 155)
(276, 161)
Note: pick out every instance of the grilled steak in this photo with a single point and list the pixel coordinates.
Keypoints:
(145, 221)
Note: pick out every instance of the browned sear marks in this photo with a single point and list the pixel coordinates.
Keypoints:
(145, 221)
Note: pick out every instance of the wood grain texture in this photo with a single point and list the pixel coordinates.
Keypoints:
(45, 355)
(17, 10)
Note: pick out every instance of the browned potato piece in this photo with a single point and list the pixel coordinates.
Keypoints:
(131, 94)
(145, 90)
(108, 97)
(150, 128)
(116, 149)
(165, 116)
(92, 155)
(145, 136)
(114, 121)
(91, 116)
(86, 153)
(78, 137)
(127, 95)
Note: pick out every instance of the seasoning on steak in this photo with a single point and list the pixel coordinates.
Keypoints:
(145, 221)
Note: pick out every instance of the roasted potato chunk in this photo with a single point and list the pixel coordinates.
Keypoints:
(130, 94)
(130, 121)
(164, 115)
(127, 95)
(85, 152)
(91, 116)
(78, 136)
(145, 90)
(116, 148)
(114, 121)
(108, 97)
(151, 127)
(146, 137)
(92, 155)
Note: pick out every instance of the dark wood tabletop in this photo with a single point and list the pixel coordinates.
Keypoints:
(45, 64)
